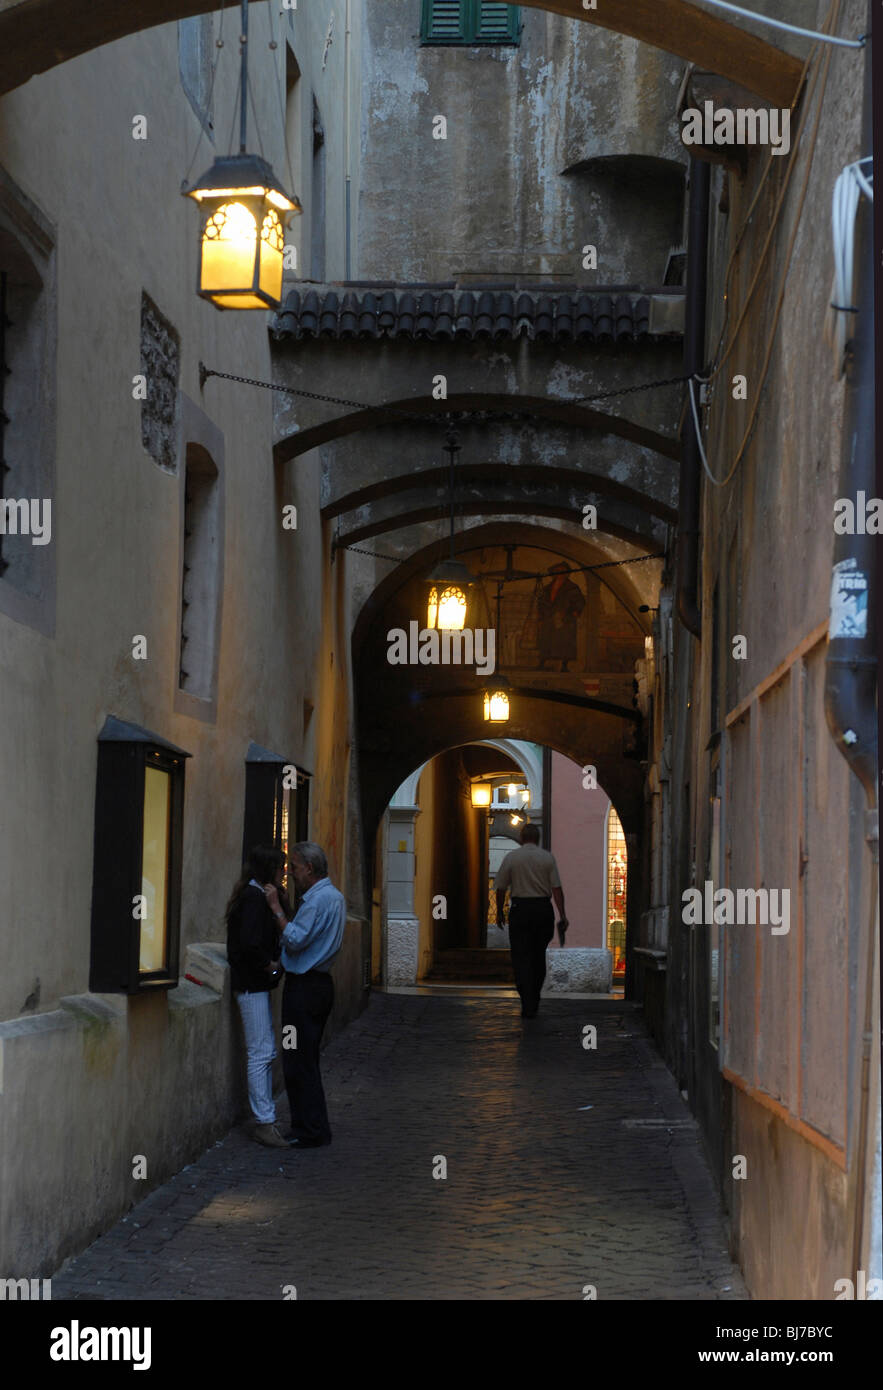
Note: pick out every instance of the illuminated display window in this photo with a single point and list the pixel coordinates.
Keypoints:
(617, 869)
(277, 801)
(138, 854)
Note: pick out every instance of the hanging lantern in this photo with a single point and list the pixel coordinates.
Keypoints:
(496, 701)
(242, 233)
(451, 580)
(481, 795)
(449, 584)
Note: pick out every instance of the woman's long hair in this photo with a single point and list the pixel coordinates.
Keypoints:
(262, 864)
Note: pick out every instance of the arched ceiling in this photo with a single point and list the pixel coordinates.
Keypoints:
(36, 35)
(408, 714)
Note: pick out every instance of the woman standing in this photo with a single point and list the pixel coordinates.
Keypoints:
(253, 954)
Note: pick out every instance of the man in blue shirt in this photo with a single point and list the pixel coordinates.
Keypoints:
(310, 941)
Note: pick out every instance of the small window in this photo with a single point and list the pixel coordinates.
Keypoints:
(201, 576)
(196, 53)
(138, 854)
(468, 22)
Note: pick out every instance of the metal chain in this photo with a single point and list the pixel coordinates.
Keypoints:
(628, 390)
(206, 372)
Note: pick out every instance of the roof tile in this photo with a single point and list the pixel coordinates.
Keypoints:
(559, 313)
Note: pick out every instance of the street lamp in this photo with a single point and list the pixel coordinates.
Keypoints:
(451, 580)
(241, 235)
(481, 795)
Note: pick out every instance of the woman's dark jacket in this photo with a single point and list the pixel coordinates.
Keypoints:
(252, 941)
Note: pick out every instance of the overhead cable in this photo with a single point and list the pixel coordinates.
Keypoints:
(789, 28)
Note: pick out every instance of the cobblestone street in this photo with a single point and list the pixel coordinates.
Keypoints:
(566, 1167)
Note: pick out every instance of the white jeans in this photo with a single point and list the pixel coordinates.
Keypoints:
(260, 1045)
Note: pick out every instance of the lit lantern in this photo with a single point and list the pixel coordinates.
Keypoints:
(448, 586)
(496, 702)
(242, 233)
(481, 795)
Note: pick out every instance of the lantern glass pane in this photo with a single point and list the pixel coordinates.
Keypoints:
(155, 868)
(432, 611)
(229, 247)
(499, 707)
(481, 796)
(272, 249)
(452, 609)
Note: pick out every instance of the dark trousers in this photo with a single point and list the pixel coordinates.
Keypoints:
(531, 927)
(306, 1002)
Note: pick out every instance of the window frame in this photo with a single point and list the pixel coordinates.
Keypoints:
(264, 799)
(124, 753)
(469, 28)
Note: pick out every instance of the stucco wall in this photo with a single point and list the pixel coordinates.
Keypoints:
(517, 119)
(579, 844)
(120, 227)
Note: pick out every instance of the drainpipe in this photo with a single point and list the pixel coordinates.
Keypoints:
(851, 661)
(694, 361)
(850, 667)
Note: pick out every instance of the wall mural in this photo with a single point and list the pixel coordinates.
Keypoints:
(556, 620)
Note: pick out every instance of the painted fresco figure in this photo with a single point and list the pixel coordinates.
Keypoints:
(560, 603)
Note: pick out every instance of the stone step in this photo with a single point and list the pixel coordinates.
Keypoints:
(472, 964)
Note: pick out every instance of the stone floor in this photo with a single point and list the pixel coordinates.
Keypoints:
(565, 1168)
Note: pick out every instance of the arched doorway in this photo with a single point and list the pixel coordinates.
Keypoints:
(440, 843)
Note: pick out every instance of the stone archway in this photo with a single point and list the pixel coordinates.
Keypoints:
(36, 35)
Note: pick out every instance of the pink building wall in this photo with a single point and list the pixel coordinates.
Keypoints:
(578, 842)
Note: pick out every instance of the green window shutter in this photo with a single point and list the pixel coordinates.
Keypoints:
(497, 23)
(444, 21)
(469, 22)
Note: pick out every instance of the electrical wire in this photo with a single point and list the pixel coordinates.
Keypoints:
(746, 221)
(777, 312)
(850, 185)
(721, 358)
(789, 28)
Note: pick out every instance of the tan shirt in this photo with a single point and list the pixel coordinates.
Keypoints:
(529, 872)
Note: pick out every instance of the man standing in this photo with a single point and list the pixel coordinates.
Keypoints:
(310, 941)
(532, 875)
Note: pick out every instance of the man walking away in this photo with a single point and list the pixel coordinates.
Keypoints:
(532, 876)
(310, 941)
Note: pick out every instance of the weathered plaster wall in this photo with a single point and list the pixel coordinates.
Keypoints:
(121, 227)
(517, 119)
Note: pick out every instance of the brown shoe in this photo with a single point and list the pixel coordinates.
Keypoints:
(268, 1135)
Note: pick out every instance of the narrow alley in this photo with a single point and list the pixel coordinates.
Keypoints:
(542, 1197)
